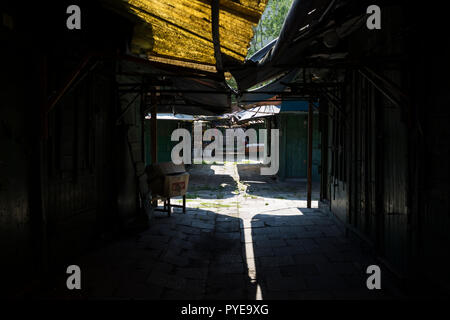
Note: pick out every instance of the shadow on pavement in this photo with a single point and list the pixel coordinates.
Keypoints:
(206, 183)
(272, 187)
(304, 255)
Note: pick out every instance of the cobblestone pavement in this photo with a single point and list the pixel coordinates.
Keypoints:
(244, 236)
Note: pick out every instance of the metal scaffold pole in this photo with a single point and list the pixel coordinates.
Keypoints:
(310, 141)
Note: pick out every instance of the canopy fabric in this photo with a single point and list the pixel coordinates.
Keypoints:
(180, 31)
(258, 112)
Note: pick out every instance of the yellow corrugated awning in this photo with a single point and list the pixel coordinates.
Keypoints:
(180, 32)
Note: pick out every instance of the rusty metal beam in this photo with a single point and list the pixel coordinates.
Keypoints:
(310, 141)
(381, 86)
(70, 81)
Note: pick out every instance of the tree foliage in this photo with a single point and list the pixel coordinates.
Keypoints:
(270, 25)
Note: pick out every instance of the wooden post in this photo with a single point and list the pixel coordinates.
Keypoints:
(153, 125)
(310, 141)
(39, 176)
(154, 137)
(169, 207)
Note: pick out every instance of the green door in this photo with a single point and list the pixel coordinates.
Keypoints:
(296, 146)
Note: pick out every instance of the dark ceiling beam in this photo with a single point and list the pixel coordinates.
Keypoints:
(168, 68)
(215, 13)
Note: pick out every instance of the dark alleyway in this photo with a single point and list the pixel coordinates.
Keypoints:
(104, 109)
(231, 244)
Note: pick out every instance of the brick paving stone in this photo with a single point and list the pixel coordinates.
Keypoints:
(135, 276)
(228, 236)
(335, 256)
(194, 238)
(188, 230)
(175, 259)
(308, 258)
(344, 268)
(199, 263)
(301, 270)
(101, 286)
(325, 282)
(250, 238)
(202, 225)
(331, 231)
(176, 243)
(277, 236)
(282, 248)
(235, 249)
(311, 245)
(195, 255)
(257, 224)
(162, 267)
(232, 226)
(169, 232)
(151, 245)
(291, 235)
(193, 273)
(158, 278)
(232, 281)
(228, 258)
(145, 264)
(356, 281)
(266, 272)
(175, 282)
(288, 251)
(310, 234)
(251, 252)
(224, 219)
(325, 267)
(228, 268)
(154, 253)
(276, 261)
(294, 242)
(276, 243)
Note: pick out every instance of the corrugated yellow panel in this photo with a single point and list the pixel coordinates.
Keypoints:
(181, 29)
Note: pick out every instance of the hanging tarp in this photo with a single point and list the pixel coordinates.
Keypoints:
(180, 31)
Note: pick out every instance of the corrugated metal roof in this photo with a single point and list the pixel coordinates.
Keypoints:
(258, 112)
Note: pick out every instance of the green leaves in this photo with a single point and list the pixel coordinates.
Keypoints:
(270, 25)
